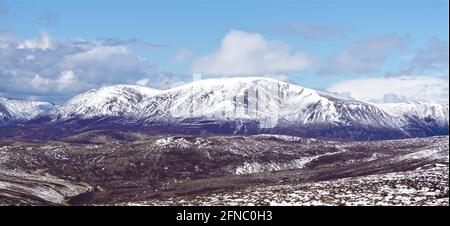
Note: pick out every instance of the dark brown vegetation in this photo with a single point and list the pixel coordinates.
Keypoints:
(117, 167)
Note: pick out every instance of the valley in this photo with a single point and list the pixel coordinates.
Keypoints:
(125, 168)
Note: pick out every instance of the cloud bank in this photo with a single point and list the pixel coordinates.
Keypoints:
(424, 77)
(54, 70)
(396, 89)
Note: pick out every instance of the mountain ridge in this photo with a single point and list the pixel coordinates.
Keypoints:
(250, 105)
(15, 110)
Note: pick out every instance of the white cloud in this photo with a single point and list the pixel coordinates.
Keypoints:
(143, 82)
(58, 69)
(65, 82)
(242, 53)
(396, 89)
(182, 55)
(364, 56)
(95, 54)
(40, 84)
(43, 43)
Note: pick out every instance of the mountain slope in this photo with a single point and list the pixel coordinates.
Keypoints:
(264, 100)
(422, 118)
(14, 111)
(118, 100)
(418, 110)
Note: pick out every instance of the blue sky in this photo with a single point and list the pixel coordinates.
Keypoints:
(336, 41)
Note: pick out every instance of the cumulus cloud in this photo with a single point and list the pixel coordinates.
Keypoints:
(242, 53)
(182, 55)
(55, 70)
(66, 80)
(364, 56)
(43, 42)
(313, 31)
(396, 89)
(423, 78)
(37, 85)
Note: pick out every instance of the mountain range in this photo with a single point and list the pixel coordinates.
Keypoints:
(223, 106)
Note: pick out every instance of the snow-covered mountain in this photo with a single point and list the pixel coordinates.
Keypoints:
(118, 100)
(260, 99)
(13, 110)
(250, 105)
(243, 106)
(416, 110)
(424, 118)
